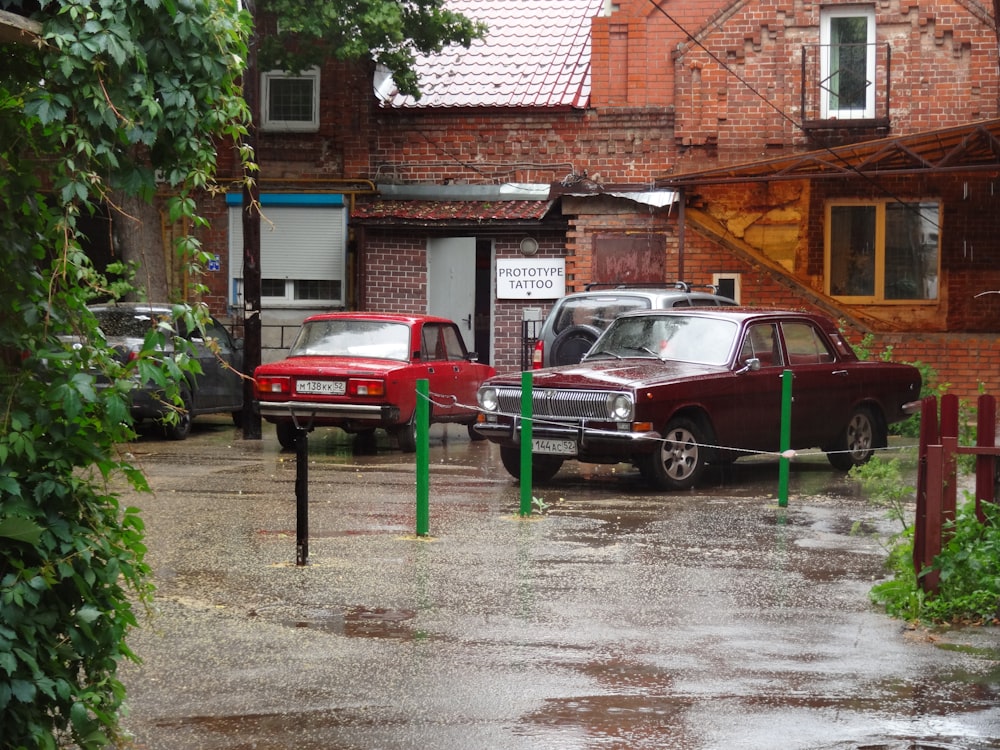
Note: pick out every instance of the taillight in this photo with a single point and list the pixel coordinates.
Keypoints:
(536, 355)
(365, 387)
(273, 384)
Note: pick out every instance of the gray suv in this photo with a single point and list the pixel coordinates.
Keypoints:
(576, 320)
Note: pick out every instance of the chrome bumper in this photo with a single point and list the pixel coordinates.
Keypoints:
(586, 438)
(373, 413)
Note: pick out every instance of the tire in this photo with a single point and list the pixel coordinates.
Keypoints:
(863, 435)
(474, 435)
(237, 418)
(681, 458)
(288, 435)
(569, 346)
(180, 429)
(406, 435)
(543, 467)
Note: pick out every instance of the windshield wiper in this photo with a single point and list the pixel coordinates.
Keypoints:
(604, 351)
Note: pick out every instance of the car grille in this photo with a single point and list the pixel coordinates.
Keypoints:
(564, 404)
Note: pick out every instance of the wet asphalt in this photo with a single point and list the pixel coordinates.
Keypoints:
(615, 618)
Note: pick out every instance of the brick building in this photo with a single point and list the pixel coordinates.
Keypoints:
(712, 142)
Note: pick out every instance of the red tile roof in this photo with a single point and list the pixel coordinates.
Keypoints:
(464, 211)
(535, 54)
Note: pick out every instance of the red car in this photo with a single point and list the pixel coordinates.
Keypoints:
(358, 371)
(672, 391)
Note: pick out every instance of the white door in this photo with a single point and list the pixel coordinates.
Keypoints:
(451, 283)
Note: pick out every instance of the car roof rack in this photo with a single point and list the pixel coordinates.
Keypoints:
(683, 286)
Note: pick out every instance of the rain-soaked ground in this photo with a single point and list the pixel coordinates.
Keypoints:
(618, 618)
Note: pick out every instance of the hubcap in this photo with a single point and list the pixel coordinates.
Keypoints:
(859, 436)
(680, 454)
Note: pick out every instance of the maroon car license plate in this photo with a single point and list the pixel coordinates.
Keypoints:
(322, 387)
(553, 447)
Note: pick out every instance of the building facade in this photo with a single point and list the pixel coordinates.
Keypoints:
(584, 141)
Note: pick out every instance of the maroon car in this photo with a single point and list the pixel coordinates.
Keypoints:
(358, 371)
(672, 391)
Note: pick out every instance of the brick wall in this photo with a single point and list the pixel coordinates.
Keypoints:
(943, 72)
(621, 146)
(396, 281)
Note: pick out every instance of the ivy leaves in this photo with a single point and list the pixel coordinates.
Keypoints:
(121, 91)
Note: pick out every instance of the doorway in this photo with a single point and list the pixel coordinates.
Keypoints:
(459, 287)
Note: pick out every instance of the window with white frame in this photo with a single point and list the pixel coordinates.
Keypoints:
(847, 62)
(290, 102)
(728, 285)
(883, 251)
(303, 249)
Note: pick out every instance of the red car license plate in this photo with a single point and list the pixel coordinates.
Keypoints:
(322, 387)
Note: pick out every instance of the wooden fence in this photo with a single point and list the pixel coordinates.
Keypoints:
(937, 475)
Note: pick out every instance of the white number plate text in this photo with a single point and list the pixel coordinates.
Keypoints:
(553, 447)
(322, 387)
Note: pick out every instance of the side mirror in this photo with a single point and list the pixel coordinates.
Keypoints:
(472, 356)
(751, 365)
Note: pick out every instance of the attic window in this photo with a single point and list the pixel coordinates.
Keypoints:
(290, 102)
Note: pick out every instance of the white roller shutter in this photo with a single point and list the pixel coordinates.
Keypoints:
(301, 237)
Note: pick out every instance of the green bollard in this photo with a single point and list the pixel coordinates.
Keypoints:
(526, 422)
(786, 437)
(423, 458)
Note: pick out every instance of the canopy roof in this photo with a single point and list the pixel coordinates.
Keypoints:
(964, 148)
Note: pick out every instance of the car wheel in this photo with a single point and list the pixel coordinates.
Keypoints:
(237, 418)
(680, 459)
(288, 435)
(569, 346)
(862, 436)
(543, 467)
(474, 435)
(406, 435)
(180, 429)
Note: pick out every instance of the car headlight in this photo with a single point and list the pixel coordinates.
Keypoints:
(620, 407)
(488, 399)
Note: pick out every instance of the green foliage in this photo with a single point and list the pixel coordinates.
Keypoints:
(387, 31)
(883, 485)
(968, 565)
(119, 91)
(900, 595)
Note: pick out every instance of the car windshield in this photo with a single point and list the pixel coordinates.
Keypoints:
(703, 340)
(353, 338)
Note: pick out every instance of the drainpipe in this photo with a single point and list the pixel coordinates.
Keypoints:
(680, 235)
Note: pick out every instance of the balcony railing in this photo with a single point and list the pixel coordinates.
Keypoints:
(846, 85)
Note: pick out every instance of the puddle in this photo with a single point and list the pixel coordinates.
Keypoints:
(363, 622)
(636, 722)
(910, 743)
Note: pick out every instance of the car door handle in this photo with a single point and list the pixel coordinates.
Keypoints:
(842, 373)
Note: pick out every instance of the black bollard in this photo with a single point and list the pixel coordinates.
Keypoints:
(302, 497)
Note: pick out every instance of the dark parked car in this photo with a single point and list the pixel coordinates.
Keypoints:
(673, 391)
(576, 320)
(219, 386)
(358, 371)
